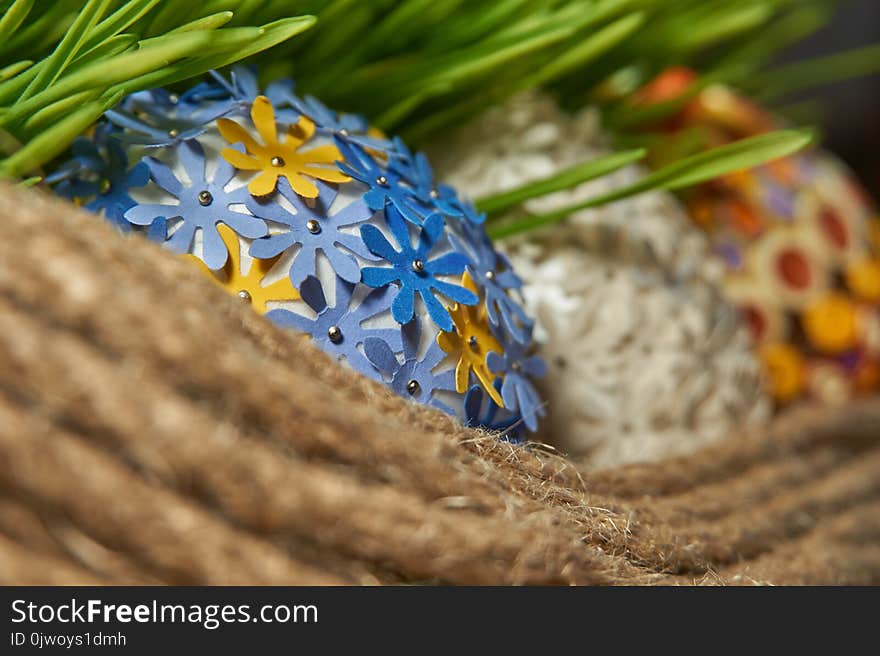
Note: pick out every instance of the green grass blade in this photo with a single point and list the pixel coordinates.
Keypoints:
(106, 51)
(121, 19)
(12, 70)
(816, 72)
(587, 50)
(566, 179)
(211, 22)
(14, 17)
(70, 45)
(119, 69)
(54, 112)
(270, 35)
(52, 142)
(737, 156)
(41, 34)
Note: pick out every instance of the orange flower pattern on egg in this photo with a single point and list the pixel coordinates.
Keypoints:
(802, 245)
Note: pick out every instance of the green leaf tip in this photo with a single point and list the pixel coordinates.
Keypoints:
(693, 170)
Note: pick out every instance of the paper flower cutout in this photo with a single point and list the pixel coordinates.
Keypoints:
(831, 324)
(158, 231)
(413, 271)
(415, 170)
(238, 94)
(471, 341)
(517, 390)
(350, 128)
(203, 97)
(275, 158)
(99, 171)
(448, 201)
(385, 187)
(202, 205)
(786, 370)
(248, 286)
(480, 411)
(863, 279)
(338, 329)
(318, 221)
(314, 231)
(494, 274)
(152, 127)
(155, 98)
(414, 378)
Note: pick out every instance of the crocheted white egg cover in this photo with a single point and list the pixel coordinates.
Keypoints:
(645, 358)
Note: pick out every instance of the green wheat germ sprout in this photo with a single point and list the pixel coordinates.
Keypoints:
(414, 67)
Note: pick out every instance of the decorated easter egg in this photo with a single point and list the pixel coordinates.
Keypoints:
(645, 358)
(328, 228)
(799, 238)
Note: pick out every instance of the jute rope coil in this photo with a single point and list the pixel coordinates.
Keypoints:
(154, 430)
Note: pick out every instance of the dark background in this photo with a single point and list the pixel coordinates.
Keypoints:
(850, 116)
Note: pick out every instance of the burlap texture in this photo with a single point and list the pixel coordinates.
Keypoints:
(155, 430)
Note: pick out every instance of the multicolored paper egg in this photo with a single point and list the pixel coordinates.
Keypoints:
(326, 227)
(645, 358)
(800, 241)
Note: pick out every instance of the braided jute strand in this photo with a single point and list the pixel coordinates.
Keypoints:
(156, 430)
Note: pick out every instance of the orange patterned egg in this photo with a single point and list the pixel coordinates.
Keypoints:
(802, 244)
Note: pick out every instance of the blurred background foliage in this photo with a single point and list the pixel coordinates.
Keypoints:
(415, 67)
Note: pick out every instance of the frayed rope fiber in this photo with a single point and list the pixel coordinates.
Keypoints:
(155, 430)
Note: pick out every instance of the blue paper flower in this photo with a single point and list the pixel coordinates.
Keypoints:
(158, 230)
(491, 271)
(480, 411)
(338, 329)
(387, 229)
(351, 128)
(448, 202)
(85, 159)
(99, 170)
(413, 378)
(385, 186)
(414, 169)
(201, 97)
(314, 230)
(417, 171)
(413, 271)
(203, 204)
(517, 390)
(242, 89)
(158, 98)
(156, 129)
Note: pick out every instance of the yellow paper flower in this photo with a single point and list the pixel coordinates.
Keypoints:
(471, 342)
(248, 287)
(863, 279)
(785, 370)
(830, 324)
(276, 158)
